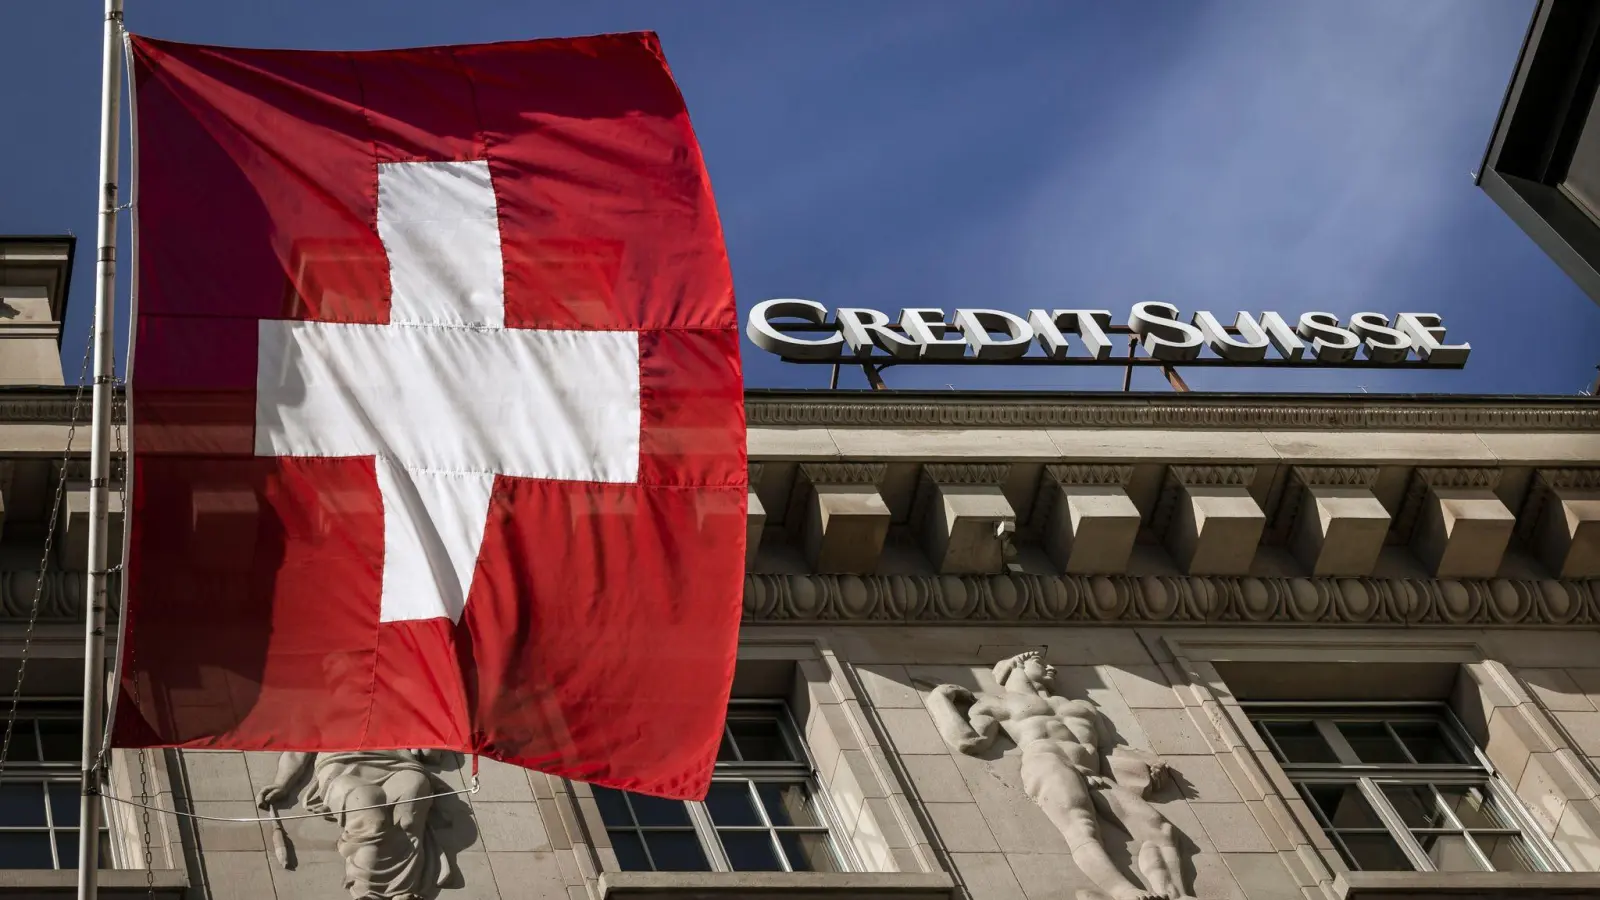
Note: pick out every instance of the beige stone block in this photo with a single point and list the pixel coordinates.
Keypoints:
(1556, 689)
(889, 687)
(790, 444)
(1092, 528)
(967, 445)
(217, 775)
(1142, 687)
(884, 816)
(1542, 448)
(987, 876)
(1583, 728)
(1340, 530)
(935, 779)
(845, 528)
(498, 781)
(1202, 777)
(1332, 447)
(1567, 535)
(960, 827)
(217, 837)
(1548, 783)
(1215, 530)
(1049, 876)
(1462, 532)
(534, 875)
(868, 839)
(246, 876)
(1577, 836)
(755, 522)
(912, 731)
(510, 826)
(1213, 880)
(1161, 445)
(1262, 876)
(1172, 731)
(965, 528)
(1231, 827)
(73, 529)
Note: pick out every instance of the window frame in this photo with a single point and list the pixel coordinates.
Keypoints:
(802, 769)
(1369, 778)
(44, 773)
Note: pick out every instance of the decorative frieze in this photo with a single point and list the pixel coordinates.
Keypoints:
(1176, 600)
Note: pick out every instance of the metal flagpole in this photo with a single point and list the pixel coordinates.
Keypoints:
(94, 636)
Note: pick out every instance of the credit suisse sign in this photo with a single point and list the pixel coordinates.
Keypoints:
(802, 331)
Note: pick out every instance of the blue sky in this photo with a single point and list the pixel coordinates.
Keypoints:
(1224, 156)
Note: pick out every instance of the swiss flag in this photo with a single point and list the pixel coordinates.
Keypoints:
(438, 428)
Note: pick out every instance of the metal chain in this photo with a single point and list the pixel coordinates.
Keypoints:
(122, 575)
(44, 563)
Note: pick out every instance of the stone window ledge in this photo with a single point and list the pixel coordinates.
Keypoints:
(1468, 885)
(777, 885)
(128, 883)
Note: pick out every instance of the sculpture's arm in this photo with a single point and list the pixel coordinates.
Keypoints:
(966, 723)
(290, 765)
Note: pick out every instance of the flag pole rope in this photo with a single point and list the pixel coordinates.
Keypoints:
(250, 820)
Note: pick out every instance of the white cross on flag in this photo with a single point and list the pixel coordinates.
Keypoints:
(438, 423)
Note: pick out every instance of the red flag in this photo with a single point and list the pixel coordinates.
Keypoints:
(438, 419)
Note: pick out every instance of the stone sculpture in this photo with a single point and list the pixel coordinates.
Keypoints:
(1068, 772)
(389, 850)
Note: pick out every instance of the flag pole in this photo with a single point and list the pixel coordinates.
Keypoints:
(94, 634)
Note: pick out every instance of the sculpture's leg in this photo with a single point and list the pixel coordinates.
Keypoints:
(1158, 859)
(410, 792)
(361, 835)
(1064, 797)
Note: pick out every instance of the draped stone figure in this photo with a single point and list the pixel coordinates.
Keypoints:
(1068, 772)
(389, 850)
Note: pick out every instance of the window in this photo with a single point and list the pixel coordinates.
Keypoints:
(1400, 787)
(40, 789)
(762, 814)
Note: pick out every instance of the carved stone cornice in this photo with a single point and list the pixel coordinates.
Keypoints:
(61, 596)
(966, 473)
(52, 407)
(1016, 410)
(843, 473)
(1423, 478)
(1044, 501)
(1285, 507)
(1168, 600)
(1178, 477)
(1539, 489)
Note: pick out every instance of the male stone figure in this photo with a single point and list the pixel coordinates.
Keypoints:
(1065, 771)
(388, 850)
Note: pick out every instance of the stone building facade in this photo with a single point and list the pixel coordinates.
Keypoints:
(997, 646)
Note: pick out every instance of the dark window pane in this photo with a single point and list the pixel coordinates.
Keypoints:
(28, 850)
(1375, 853)
(1508, 853)
(730, 803)
(725, 750)
(750, 851)
(67, 850)
(1372, 743)
(1426, 742)
(1416, 805)
(809, 851)
(64, 803)
(22, 804)
(760, 740)
(676, 851)
(1474, 806)
(1299, 742)
(1343, 805)
(656, 811)
(789, 804)
(1450, 852)
(24, 743)
(630, 851)
(61, 739)
(613, 809)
